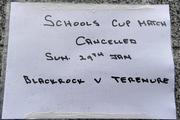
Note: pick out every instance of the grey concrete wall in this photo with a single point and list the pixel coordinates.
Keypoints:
(175, 34)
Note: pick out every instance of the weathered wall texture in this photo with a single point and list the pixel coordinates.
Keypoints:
(175, 34)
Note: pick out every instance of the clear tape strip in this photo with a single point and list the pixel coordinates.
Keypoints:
(53, 115)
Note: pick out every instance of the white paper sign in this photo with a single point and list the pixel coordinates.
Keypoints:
(89, 61)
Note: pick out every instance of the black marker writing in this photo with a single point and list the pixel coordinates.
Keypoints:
(115, 23)
(146, 23)
(79, 81)
(120, 57)
(49, 21)
(40, 80)
(97, 80)
(91, 56)
(82, 40)
(56, 58)
(123, 79)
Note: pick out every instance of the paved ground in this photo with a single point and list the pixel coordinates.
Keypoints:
(175, 29)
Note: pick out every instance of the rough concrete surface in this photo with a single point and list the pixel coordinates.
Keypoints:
(175, 34)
